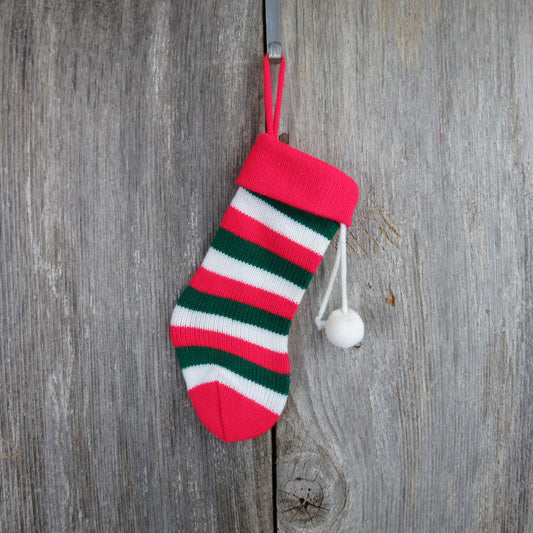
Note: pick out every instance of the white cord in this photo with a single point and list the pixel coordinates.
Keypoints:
(341, 254)
(343, 269)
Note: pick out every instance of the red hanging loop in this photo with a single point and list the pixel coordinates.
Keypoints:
(272, 122)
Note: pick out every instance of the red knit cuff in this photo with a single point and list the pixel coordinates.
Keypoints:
(283, 173)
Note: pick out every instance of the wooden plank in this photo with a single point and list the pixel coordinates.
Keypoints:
(428, 426)
(123, 127)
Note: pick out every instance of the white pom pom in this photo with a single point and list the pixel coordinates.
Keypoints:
(344, 330)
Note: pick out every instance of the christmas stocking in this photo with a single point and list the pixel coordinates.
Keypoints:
(230, 325)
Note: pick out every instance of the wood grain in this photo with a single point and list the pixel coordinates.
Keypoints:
(428, 426)
(124, 125)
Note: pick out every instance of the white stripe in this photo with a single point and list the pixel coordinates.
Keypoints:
(256, 208)
(220, 263)
(200, 374)
(183, 317)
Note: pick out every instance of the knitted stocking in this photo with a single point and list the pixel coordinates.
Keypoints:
(230, 326)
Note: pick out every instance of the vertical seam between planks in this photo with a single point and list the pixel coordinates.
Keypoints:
(274, 482)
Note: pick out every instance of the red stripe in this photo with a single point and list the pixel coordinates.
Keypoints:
(250, 229)
(206, 281)
(275, 361)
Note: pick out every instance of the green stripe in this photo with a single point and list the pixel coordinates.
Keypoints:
(324, 226)
(207, 303)
(199, 355)
(253, 254)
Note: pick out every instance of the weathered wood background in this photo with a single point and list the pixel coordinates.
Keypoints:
(123, 127)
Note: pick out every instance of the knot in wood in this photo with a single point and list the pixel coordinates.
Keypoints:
(303, 499)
